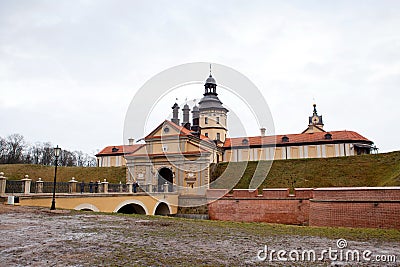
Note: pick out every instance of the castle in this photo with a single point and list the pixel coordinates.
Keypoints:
(178, 155)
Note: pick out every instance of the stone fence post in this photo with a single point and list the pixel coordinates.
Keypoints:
(27, 184)
(120, 187)
(105, 186)
(165, 187)
(39, 186)
(72, 185)
(129, 184)
(99, 187)
(3, 181)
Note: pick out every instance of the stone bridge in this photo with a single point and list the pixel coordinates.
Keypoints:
(101, 197)
(131, 203)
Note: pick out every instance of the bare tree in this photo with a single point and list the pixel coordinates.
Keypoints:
(14, 149)
(47, 156)
(67, 158)
(3, 150)
(15, 145)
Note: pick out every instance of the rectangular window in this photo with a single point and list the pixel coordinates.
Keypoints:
(217, 120)
(206, 134)
(218, 136)
(205, 120)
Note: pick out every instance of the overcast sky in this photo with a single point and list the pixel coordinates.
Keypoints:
(69, 69)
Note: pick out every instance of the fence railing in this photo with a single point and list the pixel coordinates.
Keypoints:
(27, 186)
(61, 187)
(13, 187)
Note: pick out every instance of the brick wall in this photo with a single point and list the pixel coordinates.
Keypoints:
(356, 207)
(347, 207)
(273, 206)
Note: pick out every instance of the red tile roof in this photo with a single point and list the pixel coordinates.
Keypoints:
(201, 151)
(119, 150)
(302, 138)
(182, 130)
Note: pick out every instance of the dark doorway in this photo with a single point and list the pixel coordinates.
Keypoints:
(132, 209)
(165, 175)
(162, 209)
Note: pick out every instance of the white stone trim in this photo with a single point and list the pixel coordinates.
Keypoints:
(87, 206)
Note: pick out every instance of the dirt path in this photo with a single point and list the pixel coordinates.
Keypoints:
(38, 237)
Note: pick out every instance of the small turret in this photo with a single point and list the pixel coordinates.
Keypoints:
(315, 119)
(210, 87)
(315, 123)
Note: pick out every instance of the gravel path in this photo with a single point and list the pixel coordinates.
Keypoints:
(38, 237)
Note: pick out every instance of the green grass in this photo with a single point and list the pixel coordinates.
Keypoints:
(366, 170)
(209, 227)
(18, 171)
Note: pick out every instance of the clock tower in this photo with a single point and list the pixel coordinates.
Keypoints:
(315, 123)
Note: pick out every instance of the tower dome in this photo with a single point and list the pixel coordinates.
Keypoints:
(210, 99)
(211, 80)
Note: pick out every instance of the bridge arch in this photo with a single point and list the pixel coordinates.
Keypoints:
(132, 206)
(87, 206)
(162, 208)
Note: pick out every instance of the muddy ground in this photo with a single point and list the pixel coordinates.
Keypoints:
(38, 237)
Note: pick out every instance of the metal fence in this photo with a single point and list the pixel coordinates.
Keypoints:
(61, 187)
(114, 188)
(17, 187)
(157, 188)
(14, 186)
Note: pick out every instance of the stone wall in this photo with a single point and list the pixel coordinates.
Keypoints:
(348, 207)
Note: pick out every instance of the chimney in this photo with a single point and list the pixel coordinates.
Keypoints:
(186, 122)
(262, 131)
(195, 119)
(131, 141)
(175, 111)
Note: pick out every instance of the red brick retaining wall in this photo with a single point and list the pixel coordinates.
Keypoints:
(356, 207)
(273, 206)
(347, 207)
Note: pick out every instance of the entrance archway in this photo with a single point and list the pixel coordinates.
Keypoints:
(132, 208)
(165, 175)
(162, 209)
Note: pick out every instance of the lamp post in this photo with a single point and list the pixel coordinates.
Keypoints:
(57, 152)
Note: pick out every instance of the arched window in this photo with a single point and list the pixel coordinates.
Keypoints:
(328, 136)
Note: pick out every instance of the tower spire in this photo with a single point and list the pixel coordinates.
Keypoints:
(315, 109)
(210, 86)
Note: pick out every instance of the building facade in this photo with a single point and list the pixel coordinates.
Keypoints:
(313, 142)
(176, 156)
